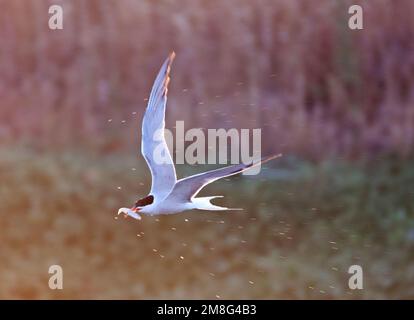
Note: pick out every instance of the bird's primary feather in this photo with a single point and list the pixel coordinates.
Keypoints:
(153, 146)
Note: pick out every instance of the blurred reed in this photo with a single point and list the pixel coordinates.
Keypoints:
(291, 67)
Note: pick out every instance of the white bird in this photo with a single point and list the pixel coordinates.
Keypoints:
(167, 195)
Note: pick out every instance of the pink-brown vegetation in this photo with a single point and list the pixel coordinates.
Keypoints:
(291, 67)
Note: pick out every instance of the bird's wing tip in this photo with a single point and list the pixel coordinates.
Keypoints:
(168, 62)
(170, 58)
(275, 156)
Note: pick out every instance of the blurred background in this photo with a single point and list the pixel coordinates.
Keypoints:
(337, 102)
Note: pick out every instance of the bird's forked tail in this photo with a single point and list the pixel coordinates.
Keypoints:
(203, 203)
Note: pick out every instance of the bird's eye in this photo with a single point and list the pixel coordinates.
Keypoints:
(145, 201)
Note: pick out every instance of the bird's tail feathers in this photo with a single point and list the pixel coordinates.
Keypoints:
(204, 203)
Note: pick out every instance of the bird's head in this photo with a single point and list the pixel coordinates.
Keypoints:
(137, 207)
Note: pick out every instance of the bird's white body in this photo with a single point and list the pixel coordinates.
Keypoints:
(169, 195)
(166, 207)
(171, 207)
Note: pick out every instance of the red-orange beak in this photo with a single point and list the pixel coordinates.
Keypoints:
(135, 209)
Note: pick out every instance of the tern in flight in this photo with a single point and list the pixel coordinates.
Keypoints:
(169, 195)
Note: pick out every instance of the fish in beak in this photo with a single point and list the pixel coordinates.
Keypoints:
(130, 212)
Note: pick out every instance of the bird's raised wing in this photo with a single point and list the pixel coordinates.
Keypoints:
(153, 146)
(187, 188)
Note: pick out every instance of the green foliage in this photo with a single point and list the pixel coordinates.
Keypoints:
(302, 226)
